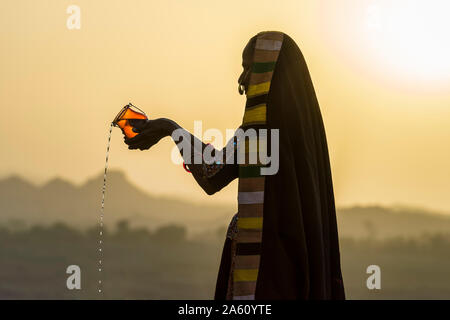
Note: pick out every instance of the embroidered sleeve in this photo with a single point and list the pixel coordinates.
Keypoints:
(232, 227)
(210, 170)
(220, 169)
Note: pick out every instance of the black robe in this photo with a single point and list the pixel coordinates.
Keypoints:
(300, 256)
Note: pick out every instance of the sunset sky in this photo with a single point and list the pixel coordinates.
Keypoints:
(381, 71)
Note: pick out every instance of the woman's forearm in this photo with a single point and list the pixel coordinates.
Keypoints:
(172, 126)
(191, 149)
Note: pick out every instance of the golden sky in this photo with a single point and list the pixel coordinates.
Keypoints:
(380, 69)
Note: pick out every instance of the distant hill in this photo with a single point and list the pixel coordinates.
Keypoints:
(60, 200)
(381, 222)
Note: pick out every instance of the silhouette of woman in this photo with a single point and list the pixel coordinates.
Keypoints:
(283, 242)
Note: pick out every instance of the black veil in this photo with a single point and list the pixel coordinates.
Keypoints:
(300, 256)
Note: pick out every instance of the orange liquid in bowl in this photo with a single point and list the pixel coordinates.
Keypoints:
(121, 120)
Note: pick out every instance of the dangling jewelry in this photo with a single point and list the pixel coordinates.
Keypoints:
(241, 89)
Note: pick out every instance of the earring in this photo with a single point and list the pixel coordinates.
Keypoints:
(241, 89)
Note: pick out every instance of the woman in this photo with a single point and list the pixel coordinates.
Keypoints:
(283, 242)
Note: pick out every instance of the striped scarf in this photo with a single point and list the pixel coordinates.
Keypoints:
(247, 252)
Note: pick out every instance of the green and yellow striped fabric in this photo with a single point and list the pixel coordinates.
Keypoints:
(251, 182)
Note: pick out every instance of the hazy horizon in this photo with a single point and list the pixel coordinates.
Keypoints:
(99, 176)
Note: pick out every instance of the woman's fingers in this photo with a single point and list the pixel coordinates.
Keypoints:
(138, 145)
(138, 124)
(150, 132)
(146, 140)
(135, 140)
(143, 145)
(142, 136)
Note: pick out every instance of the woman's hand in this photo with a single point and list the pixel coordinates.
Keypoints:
(149, 132)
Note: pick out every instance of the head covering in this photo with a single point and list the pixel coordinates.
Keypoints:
(287, 241)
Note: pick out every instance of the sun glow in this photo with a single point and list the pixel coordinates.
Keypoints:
(411, 36)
